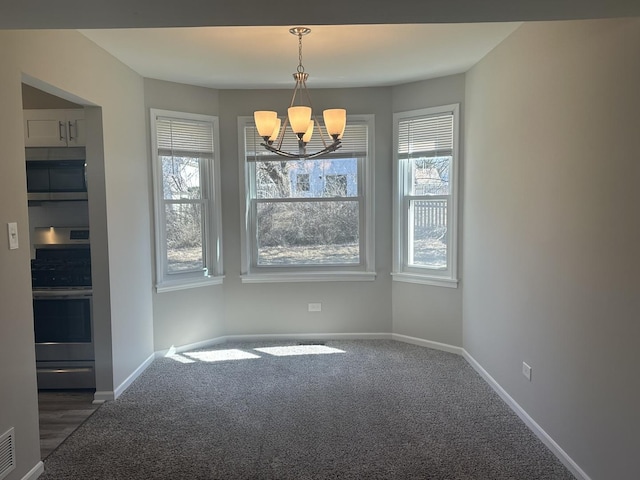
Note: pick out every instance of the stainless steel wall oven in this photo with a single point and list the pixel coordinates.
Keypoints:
(62, 308)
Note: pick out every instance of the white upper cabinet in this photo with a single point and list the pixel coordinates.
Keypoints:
(54, 128)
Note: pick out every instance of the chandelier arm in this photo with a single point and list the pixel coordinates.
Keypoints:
(322, 136)
(283, 128)
(295, 89)
(331, 148)
(306, 91)
(307, 156)
(277, 151)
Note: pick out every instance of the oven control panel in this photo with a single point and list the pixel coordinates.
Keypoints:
(52, 236)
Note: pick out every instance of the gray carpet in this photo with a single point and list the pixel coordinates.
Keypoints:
(380, 410)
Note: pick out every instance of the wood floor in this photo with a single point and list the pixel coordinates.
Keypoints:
(61, 412)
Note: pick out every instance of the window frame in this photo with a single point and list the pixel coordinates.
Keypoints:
(402, 271)
(211, 226)
(251, 272)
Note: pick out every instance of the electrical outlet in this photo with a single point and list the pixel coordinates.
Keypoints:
(526, 371)
(315, 307)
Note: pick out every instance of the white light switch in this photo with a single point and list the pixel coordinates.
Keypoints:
(12, 229)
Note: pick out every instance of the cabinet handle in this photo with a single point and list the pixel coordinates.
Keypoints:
(61, 130)
(70, 136)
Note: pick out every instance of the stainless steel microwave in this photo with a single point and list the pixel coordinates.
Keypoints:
(56, 174)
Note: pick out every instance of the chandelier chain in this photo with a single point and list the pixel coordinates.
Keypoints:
(300, 66)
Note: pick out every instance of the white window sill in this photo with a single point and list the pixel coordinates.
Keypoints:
(309, 277)
(191, 283)
(425, 280)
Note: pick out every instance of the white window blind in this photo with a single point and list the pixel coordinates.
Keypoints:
(354, 143)
(184, 138)
(430, 136)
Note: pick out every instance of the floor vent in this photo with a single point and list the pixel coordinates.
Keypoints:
(7, 456)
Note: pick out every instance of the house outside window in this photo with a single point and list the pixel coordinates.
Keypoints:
(336, 185)
(425, 200)
(308, 220)
(187, 200)
(302, 183)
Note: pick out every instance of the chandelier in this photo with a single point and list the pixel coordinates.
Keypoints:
(301, 118)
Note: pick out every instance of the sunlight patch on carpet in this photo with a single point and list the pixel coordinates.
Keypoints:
(299, 350)
(221, 355)
(180, 358)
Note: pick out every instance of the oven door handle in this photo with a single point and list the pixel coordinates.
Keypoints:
(75, 296)
(65, 369)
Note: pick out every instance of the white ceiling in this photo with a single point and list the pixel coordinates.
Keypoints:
(333, 55)
(396, 41)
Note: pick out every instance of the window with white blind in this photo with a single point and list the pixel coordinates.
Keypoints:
(425, 210)
(308, 219)
(187, 199)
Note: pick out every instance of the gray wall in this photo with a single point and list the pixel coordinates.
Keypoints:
(70, 66)
(423, 311)
(552, 232)
(18, 398)
(189, 316)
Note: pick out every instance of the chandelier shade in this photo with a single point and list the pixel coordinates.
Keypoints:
(265, 122)
(335, 119)
(300, 118)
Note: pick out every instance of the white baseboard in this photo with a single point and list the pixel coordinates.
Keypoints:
(35, 472)
(272, 337)
(427, 343)
(529, 422)
(309, 336)
(102, 396)
(136, 373)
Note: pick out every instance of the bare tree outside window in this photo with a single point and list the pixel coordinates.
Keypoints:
(183, 213)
